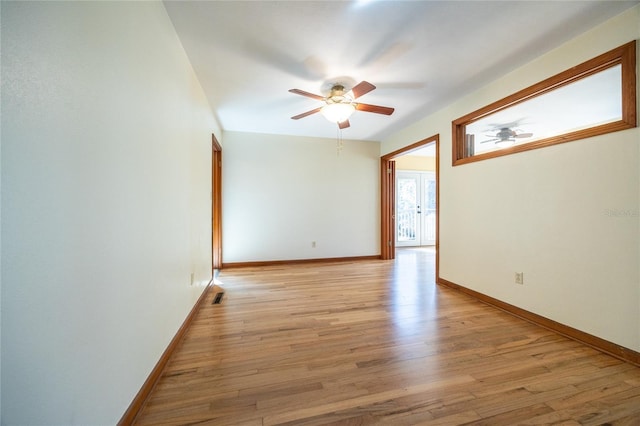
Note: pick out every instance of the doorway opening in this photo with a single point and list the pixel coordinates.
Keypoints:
(390, 220)
(216, 205)
(415, 209)
(415, 206)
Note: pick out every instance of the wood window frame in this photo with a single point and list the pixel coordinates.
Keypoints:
(624, 55)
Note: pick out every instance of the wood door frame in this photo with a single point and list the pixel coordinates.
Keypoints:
(387, 198)
(387, 205)
(216, 204)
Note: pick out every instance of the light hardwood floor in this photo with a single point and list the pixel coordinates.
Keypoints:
(362, 342)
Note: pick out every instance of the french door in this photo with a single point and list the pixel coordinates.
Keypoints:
(415, 209)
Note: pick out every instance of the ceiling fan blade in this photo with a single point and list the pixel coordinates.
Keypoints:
(304, 114)
(307, 94)
(375, 108)
(524, 135)
(344, 124)
(490, 140)
(362, 88)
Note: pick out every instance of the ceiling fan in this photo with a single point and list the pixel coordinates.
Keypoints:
(340, 103)
(506, 137)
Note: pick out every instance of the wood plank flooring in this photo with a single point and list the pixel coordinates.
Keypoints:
(375, 341)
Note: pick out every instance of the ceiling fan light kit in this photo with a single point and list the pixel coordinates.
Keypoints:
(339, 112)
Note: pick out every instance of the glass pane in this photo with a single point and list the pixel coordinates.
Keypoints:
(406, 216)
(431, 194)
(586, 103)
(430, 212)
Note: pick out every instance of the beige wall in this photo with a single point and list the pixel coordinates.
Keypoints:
(281, 193)
(106, 152)
(414, 162)
(549, 213)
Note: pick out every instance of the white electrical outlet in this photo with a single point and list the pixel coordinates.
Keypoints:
(519, 277)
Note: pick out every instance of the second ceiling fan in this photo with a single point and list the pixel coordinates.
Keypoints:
(340, 103)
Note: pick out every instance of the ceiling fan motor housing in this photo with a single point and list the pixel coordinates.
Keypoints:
(338, 96)
(505, 133)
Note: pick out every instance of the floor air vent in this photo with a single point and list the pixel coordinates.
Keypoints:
(217, 298)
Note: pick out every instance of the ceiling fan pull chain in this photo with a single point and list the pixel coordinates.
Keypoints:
(339, 144)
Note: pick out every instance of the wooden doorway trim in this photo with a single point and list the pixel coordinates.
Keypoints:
(387, 198)
(387, 214)
(216, 204)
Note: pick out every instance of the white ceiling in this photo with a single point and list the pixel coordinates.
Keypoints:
(425, 151)
(421, 55)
